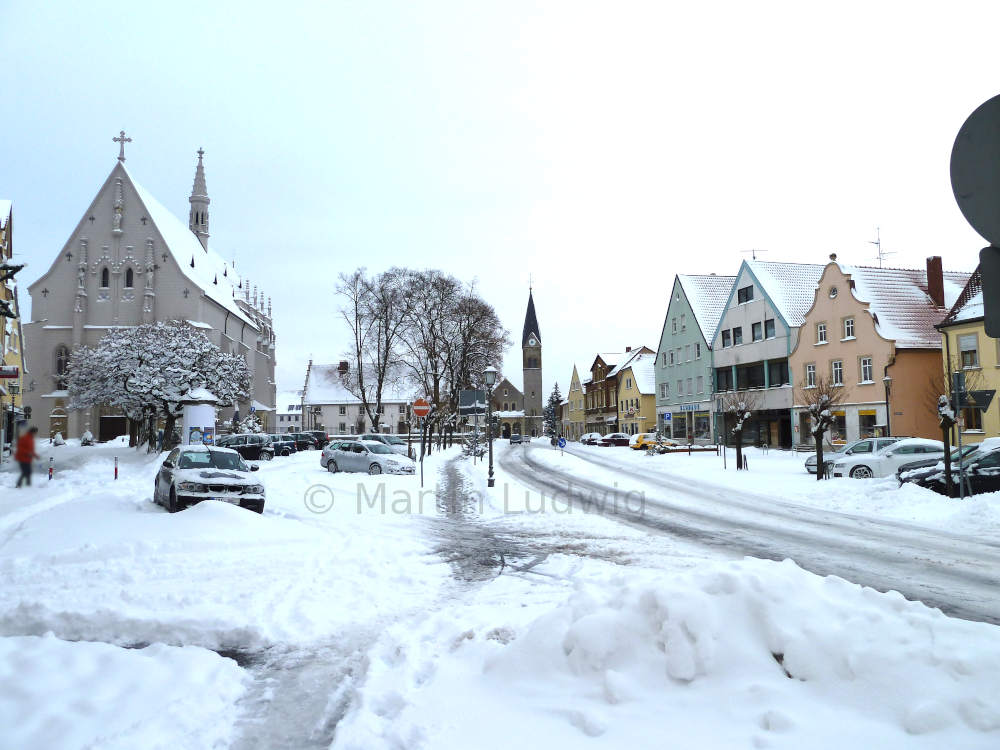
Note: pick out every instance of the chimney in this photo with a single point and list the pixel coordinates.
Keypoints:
(833, 257)
(343, 367)
(628, 349)
(935, 280)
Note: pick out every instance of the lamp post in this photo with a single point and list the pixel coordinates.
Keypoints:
(490, 376)
(887, 382)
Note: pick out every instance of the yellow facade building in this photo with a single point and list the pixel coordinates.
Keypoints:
(637, 393)
(966, 347)
(574, 410)
(12, 360)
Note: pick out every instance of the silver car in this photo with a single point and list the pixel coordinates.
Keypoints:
(368, 456)
(395, 444)
(865, 445)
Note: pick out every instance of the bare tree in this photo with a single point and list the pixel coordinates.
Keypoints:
(740, 406)
(819, 401)
(377, 312)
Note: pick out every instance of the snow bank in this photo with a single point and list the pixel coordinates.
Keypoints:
(733, 654)
(55, 694)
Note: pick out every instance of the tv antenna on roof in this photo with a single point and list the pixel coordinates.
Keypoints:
(753, 252)
(880, 254)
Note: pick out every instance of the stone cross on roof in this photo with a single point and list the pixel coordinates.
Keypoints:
(122, 140)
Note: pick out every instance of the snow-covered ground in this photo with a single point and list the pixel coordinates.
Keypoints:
(459, 617)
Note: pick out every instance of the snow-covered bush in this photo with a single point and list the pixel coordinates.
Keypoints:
(87, 438)
(57, 439)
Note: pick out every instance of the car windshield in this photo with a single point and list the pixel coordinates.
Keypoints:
(211, 459)
(396, 441)
(379, 448)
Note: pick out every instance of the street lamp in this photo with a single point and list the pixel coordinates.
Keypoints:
(490, 377)
(887, 382)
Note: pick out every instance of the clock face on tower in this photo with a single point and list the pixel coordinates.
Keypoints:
(532, 342)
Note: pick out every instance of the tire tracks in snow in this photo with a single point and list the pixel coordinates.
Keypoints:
(954, 573)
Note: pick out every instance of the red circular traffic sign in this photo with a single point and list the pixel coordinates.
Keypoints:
(421, 408)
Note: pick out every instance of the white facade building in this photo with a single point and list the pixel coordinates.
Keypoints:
(328, 405)
(130, 261)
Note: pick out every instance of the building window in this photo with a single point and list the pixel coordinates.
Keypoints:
(680, 387)
(690, 390)
(129, 278)
(61, 363)
(664, 390)
(810, 376)
(701, 384)
(342, 410)
(769, 328)
(848, 328)
(723, 379)
(777, 372)
(628, 384)
(757, 331)
(737, 335)
(673, 323)
(866, 424)
(726, 339)
(972, 419)
(968, 346)
(821, 333)
(744, 295)
(105, 278)
(684, 322)
(342, 428)
(671, 358)
(866, 370)
(838, 372)
(697, 350)
(687, 352)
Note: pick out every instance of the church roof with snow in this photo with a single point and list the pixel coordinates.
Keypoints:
(203, 267)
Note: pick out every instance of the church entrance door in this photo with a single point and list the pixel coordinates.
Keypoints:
(111, 427)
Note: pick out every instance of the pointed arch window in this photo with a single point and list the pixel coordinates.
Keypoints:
(105, 278)
(129, 278)
(61, 367)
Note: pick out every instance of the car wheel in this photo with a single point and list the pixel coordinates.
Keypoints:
(172, 502)
(331, 466)
(156, 491)
(266, 456)
(861, 472)
(286, 452)
(374, 469)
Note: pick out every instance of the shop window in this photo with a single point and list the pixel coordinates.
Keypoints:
(866, 424)
(838, 429)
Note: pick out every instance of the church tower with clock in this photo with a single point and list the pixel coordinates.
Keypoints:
(531, 352)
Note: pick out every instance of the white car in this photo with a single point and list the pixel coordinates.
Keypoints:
(192, 473)
(365, 455)
(591, 438)
(883, 463)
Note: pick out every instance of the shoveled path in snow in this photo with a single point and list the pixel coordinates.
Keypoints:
(957, 573)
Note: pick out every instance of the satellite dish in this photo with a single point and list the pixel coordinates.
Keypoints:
(975, 170)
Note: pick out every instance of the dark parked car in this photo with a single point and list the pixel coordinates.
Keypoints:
(283, 445)
(982, 472)
(303, 441)
(615, 438)
(515, 439)
(319, 436)
(253, 447)
(929, 463)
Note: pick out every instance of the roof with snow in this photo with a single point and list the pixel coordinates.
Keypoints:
(969, 305)
(707, 296)
(288, 402)
(626, 358)
(326, 387)
(790, 286)
(530, 323)
(206, 269)
(899, 302)
(643, 372)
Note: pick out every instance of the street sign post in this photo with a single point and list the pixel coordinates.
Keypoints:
(562, 444)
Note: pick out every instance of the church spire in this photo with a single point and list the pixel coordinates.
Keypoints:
(530, 323)
(199, 200)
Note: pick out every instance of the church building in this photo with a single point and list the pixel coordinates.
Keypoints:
(520, 411)
(130, 261)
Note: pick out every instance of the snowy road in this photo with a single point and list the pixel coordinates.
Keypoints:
(955, 572)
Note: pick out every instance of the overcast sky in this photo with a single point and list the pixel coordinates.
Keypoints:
(598, 147)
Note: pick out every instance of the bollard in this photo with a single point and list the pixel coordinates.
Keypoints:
(50, 468)
(116, 468)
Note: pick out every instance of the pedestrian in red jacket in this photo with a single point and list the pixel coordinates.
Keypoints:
(25, 454)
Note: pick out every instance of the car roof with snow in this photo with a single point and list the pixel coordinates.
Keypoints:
(195, 448)
(914, 441)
